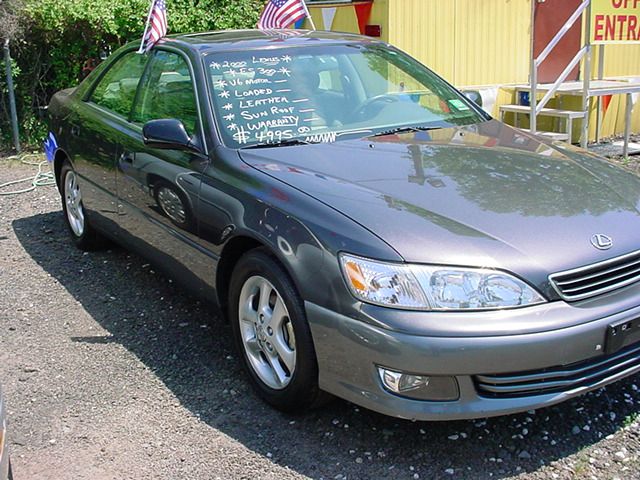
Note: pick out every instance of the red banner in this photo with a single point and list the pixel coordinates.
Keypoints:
(363, 12)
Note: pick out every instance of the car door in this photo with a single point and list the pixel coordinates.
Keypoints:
(159, 189)
(98, 124)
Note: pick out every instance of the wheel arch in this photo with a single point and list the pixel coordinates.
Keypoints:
(233, 251)
(60, 157)
(153, 179)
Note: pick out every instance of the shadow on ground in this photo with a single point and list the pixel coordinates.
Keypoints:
(185, 343)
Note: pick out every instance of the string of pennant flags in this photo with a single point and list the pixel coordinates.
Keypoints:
(362, 11)
(277, 14)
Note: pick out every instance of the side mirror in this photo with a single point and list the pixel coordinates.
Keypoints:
(168, 134)
(474, 96)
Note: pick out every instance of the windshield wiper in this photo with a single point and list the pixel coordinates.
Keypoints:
(407, 129)
(280, 143)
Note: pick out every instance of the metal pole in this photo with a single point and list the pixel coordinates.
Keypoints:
(12, 98)
(313, 25)
(584, 139)
(146, 27)
(627, 126)
(533, 74)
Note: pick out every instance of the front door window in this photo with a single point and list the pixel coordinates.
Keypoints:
(168, 92)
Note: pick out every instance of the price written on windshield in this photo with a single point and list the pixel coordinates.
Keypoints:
(259, 101)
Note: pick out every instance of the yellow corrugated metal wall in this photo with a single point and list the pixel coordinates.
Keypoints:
(380, 16)
(346, 20)
(478, 43)
(619, 60)
(469, 42)
(421, 28)
(492, 41)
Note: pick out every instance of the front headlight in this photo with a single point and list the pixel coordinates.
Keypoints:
(430, 287)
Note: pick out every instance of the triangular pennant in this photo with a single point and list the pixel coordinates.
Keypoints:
(606, 100)
(328, 14)
(363, 12)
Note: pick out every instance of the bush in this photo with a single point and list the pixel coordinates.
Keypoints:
(62, 35)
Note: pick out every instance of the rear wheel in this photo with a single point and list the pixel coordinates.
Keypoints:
(83, 235)
(272, 334)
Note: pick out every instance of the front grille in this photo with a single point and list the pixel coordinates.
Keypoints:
(585, 374)
(598, 278)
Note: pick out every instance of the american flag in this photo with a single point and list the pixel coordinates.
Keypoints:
(156, 25)
(281, 13)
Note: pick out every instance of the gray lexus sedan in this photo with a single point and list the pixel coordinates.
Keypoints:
(369, 231)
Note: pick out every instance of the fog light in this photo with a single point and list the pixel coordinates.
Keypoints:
(402, 382)
(419, 387)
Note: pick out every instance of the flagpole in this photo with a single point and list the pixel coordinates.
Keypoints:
(313, 26)
(146, 27)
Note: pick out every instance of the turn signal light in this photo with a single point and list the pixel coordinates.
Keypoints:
(355, 276)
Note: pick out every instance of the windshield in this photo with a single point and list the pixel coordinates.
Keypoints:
(322, 94)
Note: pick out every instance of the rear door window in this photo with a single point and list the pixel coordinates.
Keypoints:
(117, 88)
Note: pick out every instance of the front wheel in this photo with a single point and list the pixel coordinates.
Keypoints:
(272, 334)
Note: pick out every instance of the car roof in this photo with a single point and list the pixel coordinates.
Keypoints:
(226, 40)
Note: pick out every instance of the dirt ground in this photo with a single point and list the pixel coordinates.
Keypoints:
(111, 371)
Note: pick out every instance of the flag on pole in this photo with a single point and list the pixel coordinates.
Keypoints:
(156, 26)
(281, 13)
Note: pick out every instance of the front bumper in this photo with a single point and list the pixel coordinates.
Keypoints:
(348, 351)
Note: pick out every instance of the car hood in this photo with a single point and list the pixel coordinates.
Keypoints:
(483, 195)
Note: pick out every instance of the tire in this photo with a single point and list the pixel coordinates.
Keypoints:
(280, 358)
(82, 233)
(173, 204)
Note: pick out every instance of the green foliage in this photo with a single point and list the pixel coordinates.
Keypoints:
(61, 35)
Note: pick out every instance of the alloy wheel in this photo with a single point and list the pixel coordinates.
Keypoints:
(267, 332)
(73, 202)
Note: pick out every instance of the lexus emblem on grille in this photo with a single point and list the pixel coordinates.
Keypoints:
(601, 242)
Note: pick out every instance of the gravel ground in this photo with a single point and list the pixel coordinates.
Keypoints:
(632, 162)
(112, 371)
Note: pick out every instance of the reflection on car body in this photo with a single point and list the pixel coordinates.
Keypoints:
(368, 230)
